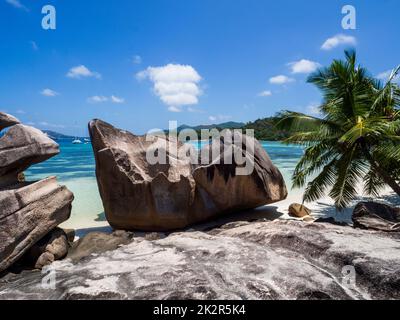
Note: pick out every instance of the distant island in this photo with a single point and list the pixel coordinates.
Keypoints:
(59, 136)
(264, 129)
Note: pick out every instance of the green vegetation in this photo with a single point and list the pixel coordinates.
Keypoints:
(265, 129)
(357, 137)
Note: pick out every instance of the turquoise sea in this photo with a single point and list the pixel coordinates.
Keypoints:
(75, 168)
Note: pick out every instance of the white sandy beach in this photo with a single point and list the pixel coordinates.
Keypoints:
(323, 208)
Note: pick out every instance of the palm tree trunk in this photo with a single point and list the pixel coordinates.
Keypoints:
(387, 178)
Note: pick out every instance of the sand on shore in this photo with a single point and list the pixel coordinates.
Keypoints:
(323, 208)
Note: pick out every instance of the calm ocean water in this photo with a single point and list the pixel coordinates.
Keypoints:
(75, 168)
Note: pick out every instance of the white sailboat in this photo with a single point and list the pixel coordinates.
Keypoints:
(77, 141)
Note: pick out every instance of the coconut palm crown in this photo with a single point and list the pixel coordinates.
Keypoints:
(355, 139)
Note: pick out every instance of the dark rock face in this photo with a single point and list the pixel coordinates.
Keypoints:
(28, 210)
(262, 260)
(158, 197)
(376, 216)
(54, 246)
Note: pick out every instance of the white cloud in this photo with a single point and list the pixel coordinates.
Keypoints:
(50, 125)
(339, 39)
(49, 93)
(97, 99)
(17, 4)
(281, 79)
(195, 110)
(101, 99)
(385, 76)
(116, 99)
(34, 45)
(313, 109)
(137, 59)
(303, 66)
(174, 109)
(20, 111)
(265, 93)
(220, 117)
(175, 84)
(82, 72)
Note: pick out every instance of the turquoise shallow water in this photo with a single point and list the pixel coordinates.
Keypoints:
(75, 167)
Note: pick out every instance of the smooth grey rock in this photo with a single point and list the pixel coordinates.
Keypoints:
(28, 211)
(262, 260)
(21, 147)
(98, 242)
(160, 197)
(376, 216)
(7, 120)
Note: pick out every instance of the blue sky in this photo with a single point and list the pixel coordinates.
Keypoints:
(139, 64)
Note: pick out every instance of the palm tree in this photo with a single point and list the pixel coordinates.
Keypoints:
(355, 139)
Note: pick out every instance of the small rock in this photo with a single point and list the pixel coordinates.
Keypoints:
(299, 210)
(70, 234)
(376, 216)
(97, 242)
(154, 236)
(123, 234)
(21, 177)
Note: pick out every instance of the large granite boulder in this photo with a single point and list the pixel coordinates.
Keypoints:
(138, 194)
(28, 210)
(7, 120)
(376, 216)
(21, 147)
(260, 260)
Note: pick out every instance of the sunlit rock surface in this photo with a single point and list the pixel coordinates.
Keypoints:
(260, 260)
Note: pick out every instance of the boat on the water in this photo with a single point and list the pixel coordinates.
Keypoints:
(77, 141)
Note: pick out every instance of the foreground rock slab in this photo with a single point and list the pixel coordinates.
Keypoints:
(261, 260)
(159, 197)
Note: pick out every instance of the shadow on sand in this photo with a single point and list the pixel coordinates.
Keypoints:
(263, 213)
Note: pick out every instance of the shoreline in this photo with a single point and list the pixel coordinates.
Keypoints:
(322, 208)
